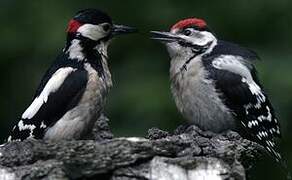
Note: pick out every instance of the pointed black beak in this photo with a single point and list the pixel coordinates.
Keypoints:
(165, 37)
(121, 29)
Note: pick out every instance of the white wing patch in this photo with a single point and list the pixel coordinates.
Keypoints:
(233, 64)
(52, 86)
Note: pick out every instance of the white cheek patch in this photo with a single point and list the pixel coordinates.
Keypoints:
(94, 32)
(200, 38)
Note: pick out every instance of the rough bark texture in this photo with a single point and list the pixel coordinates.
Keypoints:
(186, 154)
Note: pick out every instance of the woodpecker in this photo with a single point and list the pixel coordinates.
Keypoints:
(215, 85)
(73, 91)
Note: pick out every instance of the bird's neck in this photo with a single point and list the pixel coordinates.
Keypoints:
(87, 51)
(83, 49)
(180, 62)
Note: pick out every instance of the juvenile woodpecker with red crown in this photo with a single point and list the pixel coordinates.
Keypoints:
(73, 91)
(215, 85)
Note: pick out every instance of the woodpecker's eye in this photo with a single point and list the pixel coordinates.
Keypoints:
(187, 32)
(106, 27)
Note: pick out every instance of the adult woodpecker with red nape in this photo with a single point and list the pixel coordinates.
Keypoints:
(73, 91)
(215, 85)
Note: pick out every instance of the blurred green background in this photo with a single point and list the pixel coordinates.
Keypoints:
(33, 32)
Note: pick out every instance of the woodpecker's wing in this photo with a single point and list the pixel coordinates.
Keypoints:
(236, 81)
(229, 48)
(58, 93)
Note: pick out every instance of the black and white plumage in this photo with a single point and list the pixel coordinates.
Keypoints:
(215, 86)
(235, 78)
(72, 93)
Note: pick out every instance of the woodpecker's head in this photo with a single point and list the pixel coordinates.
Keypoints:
(95, 25)
(188, 36)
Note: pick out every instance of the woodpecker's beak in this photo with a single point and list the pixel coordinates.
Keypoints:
(165, 37)
(121, 29)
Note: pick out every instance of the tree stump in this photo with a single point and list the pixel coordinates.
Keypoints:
(186, 154)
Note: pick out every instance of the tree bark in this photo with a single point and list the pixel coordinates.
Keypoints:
(186, 154)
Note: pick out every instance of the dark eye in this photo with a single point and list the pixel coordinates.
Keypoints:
(187, 32)
(106, 27)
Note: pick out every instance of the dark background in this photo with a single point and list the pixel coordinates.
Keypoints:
(33, 32)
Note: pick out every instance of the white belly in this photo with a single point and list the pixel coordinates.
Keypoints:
(198, 101)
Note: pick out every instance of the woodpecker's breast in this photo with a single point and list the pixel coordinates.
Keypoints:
(96, 88)
(196, 97)
(78, 122)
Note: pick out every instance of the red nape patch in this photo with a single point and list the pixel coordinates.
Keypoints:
(189, 22)
(73, 26)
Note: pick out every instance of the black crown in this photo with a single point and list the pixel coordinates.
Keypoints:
(92, 16)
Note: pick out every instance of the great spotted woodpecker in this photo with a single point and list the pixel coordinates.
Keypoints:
(73, 91)
(215, 85)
